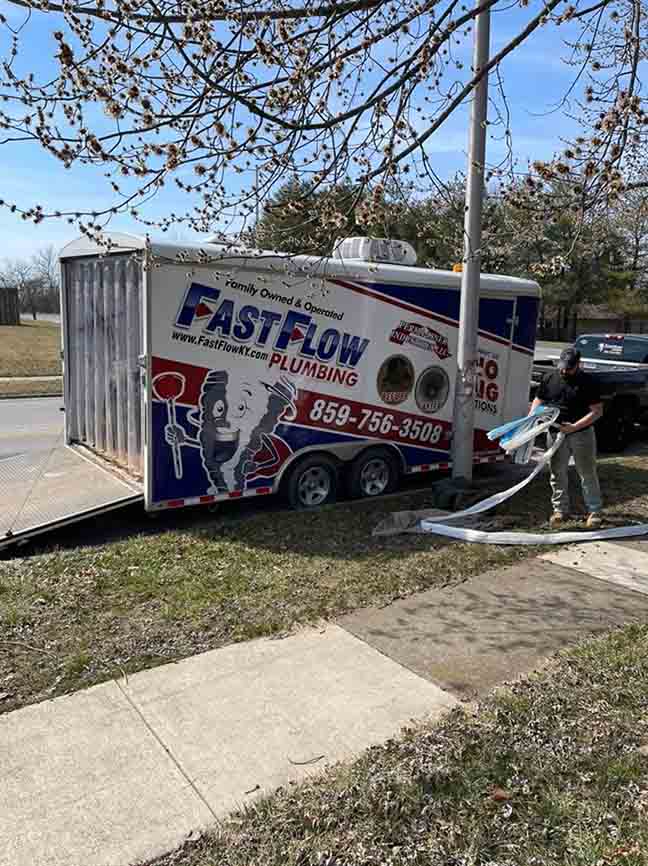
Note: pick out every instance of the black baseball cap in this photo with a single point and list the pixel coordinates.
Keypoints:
(569, 358)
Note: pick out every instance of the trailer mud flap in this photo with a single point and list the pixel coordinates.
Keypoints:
(47, 489)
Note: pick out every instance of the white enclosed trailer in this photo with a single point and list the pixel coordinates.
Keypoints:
(207, 373)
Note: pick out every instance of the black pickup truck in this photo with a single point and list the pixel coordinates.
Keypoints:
(619, 362)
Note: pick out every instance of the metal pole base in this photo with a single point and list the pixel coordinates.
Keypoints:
(450, 493)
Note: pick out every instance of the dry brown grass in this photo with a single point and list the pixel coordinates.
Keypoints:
(552, 772)
(30, 349)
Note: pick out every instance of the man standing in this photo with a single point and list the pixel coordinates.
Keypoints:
(578, 397)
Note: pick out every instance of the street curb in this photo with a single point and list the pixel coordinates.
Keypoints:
(29, 396)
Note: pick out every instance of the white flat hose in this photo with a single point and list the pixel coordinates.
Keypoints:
(530, 538)
(517, 438)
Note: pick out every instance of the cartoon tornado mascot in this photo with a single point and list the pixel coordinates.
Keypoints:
(233, 415)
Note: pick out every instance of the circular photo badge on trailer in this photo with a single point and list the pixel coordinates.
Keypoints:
(432, 390)
(395, 380)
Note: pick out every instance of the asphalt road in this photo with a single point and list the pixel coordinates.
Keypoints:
(33, 424)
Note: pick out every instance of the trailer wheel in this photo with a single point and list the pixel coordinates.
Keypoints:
(373, 473)
(312, 482)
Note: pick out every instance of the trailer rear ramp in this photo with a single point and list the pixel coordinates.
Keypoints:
(51, 487)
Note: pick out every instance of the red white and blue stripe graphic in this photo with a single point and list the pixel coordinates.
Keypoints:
(495, 314)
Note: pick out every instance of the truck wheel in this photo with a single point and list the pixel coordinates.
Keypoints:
(373, 473)
(312, 482)
(615, 429)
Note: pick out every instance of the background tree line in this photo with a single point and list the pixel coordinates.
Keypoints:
(37, 281)
(600, 257)
(597, 258)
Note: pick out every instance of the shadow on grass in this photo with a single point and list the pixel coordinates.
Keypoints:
(344, 530)
(256, 521)
(127, 593)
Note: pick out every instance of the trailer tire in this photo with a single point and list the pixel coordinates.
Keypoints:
(375, 472)
(615, 429)
(312, 482)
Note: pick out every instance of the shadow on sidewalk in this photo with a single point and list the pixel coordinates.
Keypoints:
(470, 637)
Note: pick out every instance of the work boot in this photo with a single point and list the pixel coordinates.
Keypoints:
(557, 518)
(594, 521)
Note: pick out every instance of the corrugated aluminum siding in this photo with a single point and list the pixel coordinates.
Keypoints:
(104, 339)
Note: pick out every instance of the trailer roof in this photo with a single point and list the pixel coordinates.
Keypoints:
(230, 255)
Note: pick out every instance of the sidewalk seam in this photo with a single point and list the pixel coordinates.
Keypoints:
(400, 664)
(168, 751)
(553, 556)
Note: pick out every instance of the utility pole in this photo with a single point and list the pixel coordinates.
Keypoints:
(464, 406)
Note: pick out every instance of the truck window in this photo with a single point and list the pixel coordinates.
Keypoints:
(607, 347)
(635, 350)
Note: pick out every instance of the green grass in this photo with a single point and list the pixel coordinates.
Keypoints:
(160, 594)
(30, 349)
(552, 772)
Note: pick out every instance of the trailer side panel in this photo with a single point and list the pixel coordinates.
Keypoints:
(251, 369)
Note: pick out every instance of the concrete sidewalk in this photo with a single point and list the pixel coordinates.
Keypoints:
(126, 770)
(474, 636)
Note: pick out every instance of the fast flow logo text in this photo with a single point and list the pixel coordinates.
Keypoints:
(317, 348)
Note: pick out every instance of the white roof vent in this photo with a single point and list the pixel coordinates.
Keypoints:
(375, 250)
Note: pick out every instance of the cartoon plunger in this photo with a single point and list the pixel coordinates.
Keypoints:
(169, 387)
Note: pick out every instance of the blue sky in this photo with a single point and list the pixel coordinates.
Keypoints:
(534, 79)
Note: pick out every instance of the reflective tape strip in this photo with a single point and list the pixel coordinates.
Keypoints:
(208, 500)
(435, 467)
(424, 467)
